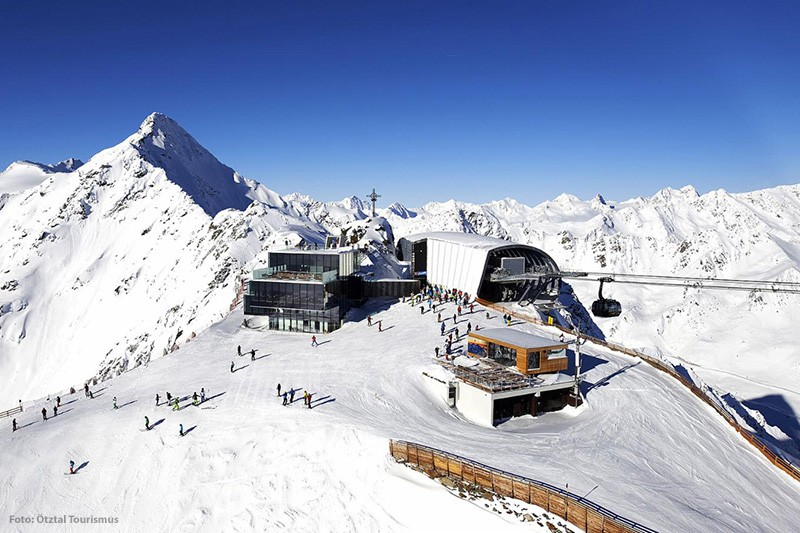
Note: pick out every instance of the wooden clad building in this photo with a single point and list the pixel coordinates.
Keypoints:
(530, 354)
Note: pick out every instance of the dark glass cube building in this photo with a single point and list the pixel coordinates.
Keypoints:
(302, 290)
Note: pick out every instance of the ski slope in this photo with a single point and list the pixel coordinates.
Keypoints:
(643, 446)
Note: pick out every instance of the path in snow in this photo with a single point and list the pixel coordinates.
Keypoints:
(655, 453)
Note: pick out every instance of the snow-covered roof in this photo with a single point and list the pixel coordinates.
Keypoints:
(518, 338)
(464, 239)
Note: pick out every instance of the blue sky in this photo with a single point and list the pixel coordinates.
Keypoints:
(424, 101)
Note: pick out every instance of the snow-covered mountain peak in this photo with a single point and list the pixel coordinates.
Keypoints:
(399, 210)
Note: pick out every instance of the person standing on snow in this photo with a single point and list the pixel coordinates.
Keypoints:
(279, 390)
(436, 350)
(169, 397)
(86, 389)
(305, 397)
(442, 329)
(380, 326)
(471, 308)
(71, 466)
(194, 399)
(58, 401)
(309, 401)
(369, 320)
(313, 341)
(291, 395)
(439, 317)
(252, 355)
(13, 425)
(285, 398)
(55, 410)
(147, 423)
(176, 407)
(181, 430)
(202, 395)
(469, 328)
(157, 398)
(239, 350)
(115, 403)
(231, 367)
(44, 413)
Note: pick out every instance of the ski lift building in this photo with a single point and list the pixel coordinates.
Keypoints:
(465, 261)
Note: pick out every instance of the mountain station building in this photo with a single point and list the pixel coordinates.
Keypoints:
(509, 373)
(466, 261)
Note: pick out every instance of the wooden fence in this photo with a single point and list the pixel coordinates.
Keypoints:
(6, 414)
(581, 512)
(758, 443)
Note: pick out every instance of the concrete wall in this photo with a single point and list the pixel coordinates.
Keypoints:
(475, 404)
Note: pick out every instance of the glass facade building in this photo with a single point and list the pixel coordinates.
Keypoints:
(302, 290)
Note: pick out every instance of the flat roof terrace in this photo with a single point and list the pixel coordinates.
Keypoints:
(494, 377)
(516, 338)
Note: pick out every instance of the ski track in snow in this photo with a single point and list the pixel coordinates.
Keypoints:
(657, 455)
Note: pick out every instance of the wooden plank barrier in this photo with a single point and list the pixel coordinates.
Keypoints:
(581, 512)
(781, 462)
(10, 412)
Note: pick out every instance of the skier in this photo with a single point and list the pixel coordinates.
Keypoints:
(442, 328)
(471, 308)
(44, 413)
(439, 317)
(291, 395)
(14, 425)
(231, 367)
(175, 406)
(157, 400)
(181, 430)
(252, 355)
(305, 397)
(422, 310)
(194, 399)
(169, 397)
(86, 389)
(239, 350)
(313, 341)
(147, 423)
(58, 401)
(459, 310)
(369, 320)
(115, 403)
(456, 331)
(455, 320)
(55, 410)
(71, 466)
(469, 328)
(309, 401)
(380, 326)
(202, 395)
(436, 349)
(487, 315)
(279, 389)
(285, 398)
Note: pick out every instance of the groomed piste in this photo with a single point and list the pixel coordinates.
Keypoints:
(641, 444)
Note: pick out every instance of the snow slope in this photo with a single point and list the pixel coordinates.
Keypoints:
(642, 445)
(23, 175)
(741, 343)
(126, 257)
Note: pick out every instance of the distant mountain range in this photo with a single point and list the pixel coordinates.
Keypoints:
(107, 264)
